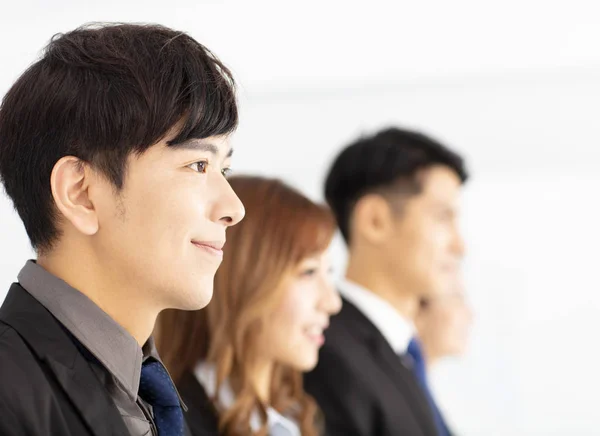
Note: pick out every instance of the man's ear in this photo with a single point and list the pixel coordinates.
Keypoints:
(372, 218)
(70, 182)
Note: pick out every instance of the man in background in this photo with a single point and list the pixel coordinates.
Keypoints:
(443, 323)
(395, 196)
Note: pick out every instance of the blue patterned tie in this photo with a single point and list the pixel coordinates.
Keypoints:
(415, 352)
(156, 388)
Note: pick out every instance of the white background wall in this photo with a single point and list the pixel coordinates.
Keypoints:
(513, 85)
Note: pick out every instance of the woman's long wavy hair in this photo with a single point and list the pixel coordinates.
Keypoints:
(281, 228)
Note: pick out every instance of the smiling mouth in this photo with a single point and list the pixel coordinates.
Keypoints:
(316, 334)
(213, 248)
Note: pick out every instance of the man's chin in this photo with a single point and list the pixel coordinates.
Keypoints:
(202, 300)
(196, 299)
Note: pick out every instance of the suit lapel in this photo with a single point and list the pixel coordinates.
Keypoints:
(202, 415)
(51, 344)
(402, 376)
(406, 381)
(89, 397)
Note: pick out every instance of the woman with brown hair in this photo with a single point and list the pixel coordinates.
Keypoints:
(238, 363)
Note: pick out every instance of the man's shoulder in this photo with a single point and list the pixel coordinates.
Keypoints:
(28, 399)
(4, 329)
(346, 330)
(10, 341)
(347, 354)
(342, 358)
(20, 367)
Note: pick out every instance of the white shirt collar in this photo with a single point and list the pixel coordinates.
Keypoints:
(207, 376)
(397, 330)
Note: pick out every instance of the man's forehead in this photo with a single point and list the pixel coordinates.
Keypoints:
(445, 188)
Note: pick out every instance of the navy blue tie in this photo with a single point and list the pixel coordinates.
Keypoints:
(415, 352)
(156, 388)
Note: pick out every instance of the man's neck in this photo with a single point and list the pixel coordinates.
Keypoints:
(370, 276)
(119, 301)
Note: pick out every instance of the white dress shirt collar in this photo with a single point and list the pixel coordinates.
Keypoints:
(207, 376)
(397, 330)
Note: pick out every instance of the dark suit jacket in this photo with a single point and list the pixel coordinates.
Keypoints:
(201, 417)
(362, 386)
(46, 386)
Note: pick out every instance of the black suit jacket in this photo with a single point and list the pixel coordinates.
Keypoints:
(201, 417)
(362, 386)
(46, 386)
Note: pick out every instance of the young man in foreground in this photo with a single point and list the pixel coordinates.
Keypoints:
(114, 150)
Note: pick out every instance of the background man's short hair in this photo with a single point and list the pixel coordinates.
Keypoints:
(376, 163)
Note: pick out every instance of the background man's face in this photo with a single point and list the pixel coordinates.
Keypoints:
(425, 249)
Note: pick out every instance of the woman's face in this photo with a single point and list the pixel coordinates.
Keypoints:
(293, 334)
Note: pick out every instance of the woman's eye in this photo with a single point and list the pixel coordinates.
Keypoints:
(199, 166)
(226, 172)
(308, 272)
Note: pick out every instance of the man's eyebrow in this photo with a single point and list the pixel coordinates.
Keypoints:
(200, 145)
(196, 144)
(440, 205)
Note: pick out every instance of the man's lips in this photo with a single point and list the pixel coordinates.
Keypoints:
(212, 247)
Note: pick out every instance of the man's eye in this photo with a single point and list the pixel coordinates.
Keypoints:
(199, 166)
(226, 172)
